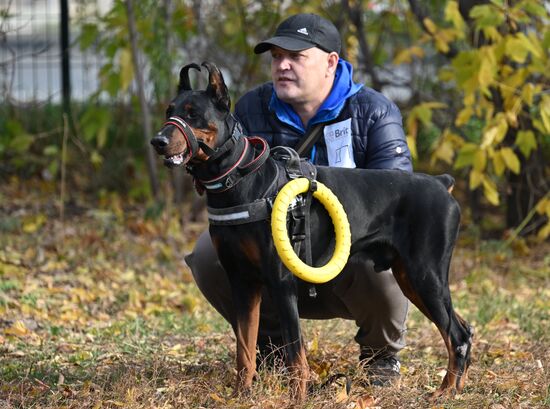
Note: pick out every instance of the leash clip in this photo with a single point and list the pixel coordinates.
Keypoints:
(312, 185)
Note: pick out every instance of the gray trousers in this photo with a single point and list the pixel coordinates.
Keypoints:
(374, 300)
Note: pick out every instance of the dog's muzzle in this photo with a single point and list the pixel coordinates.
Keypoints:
(161, 142)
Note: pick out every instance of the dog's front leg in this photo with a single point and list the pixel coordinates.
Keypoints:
(247, 298)
(284, 291)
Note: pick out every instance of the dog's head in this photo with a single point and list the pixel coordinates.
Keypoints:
(197, 122)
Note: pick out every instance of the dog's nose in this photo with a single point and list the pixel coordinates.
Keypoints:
(159, 141)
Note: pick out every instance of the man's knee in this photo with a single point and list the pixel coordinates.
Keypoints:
(204, 263)
(391, 304)
(378, 306)
(210, 276)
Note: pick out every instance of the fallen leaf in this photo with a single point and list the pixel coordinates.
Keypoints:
(313, 345)
(216, 397)
(66, 348)
(321, 369)
(367, 402)
(115, 402)
(18, 329)
(497, 352)
(342, 396)
(491, 374)
(175, 350)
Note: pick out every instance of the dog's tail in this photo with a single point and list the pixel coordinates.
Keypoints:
(446, 180)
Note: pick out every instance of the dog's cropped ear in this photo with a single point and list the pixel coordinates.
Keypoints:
(216, 87)
(185, 84)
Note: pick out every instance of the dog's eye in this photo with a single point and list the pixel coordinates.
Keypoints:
(191, 115)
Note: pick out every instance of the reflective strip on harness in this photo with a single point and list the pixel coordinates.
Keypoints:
(229, 216)
(248, 213)
(242, 214)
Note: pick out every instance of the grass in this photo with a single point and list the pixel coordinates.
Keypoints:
(100, 312)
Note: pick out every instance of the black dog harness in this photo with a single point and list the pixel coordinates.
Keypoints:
(261, 209)
(299, 210)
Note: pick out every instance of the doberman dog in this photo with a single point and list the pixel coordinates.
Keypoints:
(406, 222)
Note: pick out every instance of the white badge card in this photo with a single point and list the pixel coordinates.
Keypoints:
(339, 144)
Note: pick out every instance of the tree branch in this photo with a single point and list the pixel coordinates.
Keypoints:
(354, 15)
(421, 14)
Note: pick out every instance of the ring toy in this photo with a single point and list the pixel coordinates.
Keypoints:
(290, 259)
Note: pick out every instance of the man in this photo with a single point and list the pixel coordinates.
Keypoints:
(313, 87)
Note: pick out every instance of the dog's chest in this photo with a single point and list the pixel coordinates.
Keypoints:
(242, 245)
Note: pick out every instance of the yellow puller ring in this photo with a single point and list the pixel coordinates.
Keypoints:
(316, 275)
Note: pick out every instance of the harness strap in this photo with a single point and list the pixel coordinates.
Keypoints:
(238, 170)
(211, 183)
(241, 214)
(303, 229)
(307, 214)
(235, 129)
(300, 229)
(247, 213)
(214, 154)
(291, 159)
(310, 138)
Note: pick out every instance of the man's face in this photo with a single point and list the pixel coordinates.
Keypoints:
(300, 77)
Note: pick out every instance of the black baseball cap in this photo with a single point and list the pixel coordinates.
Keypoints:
(303, 31)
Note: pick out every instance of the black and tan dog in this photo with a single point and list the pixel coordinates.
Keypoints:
(408, 222)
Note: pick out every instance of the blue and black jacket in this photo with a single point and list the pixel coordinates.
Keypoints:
(376, 125)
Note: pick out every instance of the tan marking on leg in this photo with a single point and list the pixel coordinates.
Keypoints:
(448, 384)
(247, 334)
(299, 371)
(462, 379)
(450, 380)
(400, 274)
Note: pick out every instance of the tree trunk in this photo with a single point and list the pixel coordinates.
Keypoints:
(145, 114)
(355, 15)
(524, 191)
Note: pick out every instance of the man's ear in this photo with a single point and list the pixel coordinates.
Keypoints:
(332, 63)
(217, 90)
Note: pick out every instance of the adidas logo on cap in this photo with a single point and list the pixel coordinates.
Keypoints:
(303, 31)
